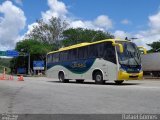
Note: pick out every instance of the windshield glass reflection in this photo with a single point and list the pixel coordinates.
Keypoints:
(130, 56)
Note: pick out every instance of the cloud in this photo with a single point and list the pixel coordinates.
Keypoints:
(59, 9)
(144, 36)
(12, 22)
(19, 2)
(31, 26)
(119, 34)
(84, 24)
(154, 21)
(104, 22)
(56, 9)
(125, 22)
(76, 24)
(29, 30)
(152, 33)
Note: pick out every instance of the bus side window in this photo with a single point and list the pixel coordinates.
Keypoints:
(69, 55)
(85, 52)
(49, 58)
(55, 57)
(109, 53)
(100, 49)
(92, 51)
(82, 52)
(72, 54)
(63, 56)
(52, 58)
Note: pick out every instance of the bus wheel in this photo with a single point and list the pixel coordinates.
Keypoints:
(61, 78)
(118, 82)
(98, 77)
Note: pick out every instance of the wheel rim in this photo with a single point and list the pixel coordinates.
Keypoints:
(98, 78)
(61, 77)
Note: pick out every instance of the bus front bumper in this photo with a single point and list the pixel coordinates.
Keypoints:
(129, 76)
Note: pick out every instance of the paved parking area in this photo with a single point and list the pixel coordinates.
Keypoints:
(49, 96)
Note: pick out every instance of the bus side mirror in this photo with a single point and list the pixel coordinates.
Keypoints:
(119, 45)
(143, 49)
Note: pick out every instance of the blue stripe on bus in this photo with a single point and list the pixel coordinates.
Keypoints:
(76, 66)
(132, 69)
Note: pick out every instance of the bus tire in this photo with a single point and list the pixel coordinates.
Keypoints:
(118, 82)
(98, 77)
(62, 78)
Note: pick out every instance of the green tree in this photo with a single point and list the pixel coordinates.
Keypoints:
(79, 35)
(154, 46)
(33, 46)
(36, 49)
(50, 32)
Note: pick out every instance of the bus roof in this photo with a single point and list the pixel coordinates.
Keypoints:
(86, 44)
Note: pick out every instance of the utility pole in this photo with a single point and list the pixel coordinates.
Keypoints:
(29, 63)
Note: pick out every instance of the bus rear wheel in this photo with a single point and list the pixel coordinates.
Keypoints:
(98, 77)
(118, 82)
(62, 78)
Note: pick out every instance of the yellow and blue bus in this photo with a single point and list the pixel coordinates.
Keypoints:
(105, 60)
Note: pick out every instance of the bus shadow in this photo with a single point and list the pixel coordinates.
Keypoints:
(93, 83)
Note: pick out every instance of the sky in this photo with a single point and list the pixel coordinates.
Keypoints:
(122, 18)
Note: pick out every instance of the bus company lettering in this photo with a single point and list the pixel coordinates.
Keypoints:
(78, 64)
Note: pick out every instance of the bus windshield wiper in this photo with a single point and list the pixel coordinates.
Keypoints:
(133, 57)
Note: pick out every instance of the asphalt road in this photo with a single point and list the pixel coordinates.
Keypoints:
(48, 96)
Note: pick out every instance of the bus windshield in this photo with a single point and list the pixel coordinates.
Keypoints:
(130, 56)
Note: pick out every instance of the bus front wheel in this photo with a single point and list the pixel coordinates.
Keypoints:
(98, 77)
(62, 78)
(118, 82)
